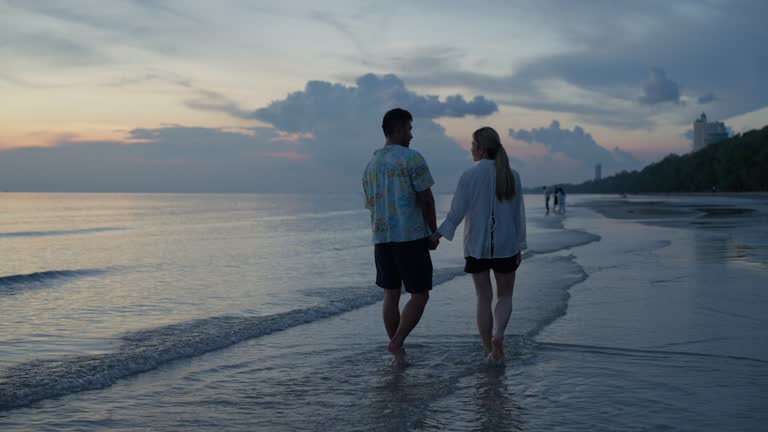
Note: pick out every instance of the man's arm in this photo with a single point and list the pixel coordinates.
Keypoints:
(422, 182)
(426, 202)
(366, 195)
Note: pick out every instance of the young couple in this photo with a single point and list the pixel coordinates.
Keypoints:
(397, 186)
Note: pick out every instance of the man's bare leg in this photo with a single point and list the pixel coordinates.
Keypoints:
(410, 316)
(484, 292)
(391, 311)
(505, 285)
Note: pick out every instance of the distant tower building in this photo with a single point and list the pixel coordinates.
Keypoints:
(598, 171)
(706, 133)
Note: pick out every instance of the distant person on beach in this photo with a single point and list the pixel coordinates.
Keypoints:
(397, 186)
(559, 194)
(547, 194)
(489, 200)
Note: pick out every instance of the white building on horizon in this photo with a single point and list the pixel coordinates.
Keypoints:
(706, 132)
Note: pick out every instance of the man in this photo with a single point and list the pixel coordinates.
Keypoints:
(397, 186)
(547, 193)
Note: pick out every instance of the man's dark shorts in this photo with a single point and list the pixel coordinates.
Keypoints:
(404, 263)
(499, 265)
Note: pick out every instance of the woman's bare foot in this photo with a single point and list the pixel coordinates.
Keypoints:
(497, 350)
(487, 348)
(398, 354)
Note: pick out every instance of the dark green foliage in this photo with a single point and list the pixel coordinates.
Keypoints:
(738, 164)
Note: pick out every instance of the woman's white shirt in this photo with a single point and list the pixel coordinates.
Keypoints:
(475, 202)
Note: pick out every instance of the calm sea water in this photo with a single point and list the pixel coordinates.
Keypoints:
(257, 312)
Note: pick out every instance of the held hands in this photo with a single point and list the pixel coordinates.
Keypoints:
(434, 240)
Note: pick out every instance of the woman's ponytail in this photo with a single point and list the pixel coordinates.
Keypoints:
(505, 181)
(489, 140)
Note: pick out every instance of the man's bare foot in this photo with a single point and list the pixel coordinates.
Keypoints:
(398, 355)
(487, 348)
(497, 350)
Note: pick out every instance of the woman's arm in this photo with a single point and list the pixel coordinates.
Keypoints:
(458, 210)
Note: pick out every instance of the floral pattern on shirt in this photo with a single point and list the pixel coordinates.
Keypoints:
(390, 182)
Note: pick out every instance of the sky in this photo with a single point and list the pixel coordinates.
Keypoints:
(249, 96)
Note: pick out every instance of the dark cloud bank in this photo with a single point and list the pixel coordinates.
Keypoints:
(321, 138)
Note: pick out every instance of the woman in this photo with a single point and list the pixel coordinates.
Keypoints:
(489, 200)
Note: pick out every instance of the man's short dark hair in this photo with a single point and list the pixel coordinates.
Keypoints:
(394, 119)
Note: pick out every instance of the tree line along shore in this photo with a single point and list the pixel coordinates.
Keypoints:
(737, 164)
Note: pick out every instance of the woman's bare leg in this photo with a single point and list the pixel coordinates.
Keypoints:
(484, 291)
(505, 285)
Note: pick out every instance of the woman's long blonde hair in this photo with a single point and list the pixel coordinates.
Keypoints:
(488, 140)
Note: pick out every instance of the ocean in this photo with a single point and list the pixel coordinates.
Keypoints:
(248, 312)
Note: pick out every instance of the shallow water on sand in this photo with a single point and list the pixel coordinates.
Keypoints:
(257, 313)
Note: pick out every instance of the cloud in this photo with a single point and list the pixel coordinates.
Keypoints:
(53, 50)
(577, 145)
(81, 16)
(659, 89)
(168, 159)
(707, 98)
(109, 19)
(322, 103)
(163, 6)
(332, 20)
(606, 49)
(84, 33)
(321, 139)
(545, 85)
(345, 121)
(212, 101)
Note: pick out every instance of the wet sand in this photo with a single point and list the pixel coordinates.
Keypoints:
(626, 208)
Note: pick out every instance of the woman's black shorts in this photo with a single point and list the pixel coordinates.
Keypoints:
(499, 265)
